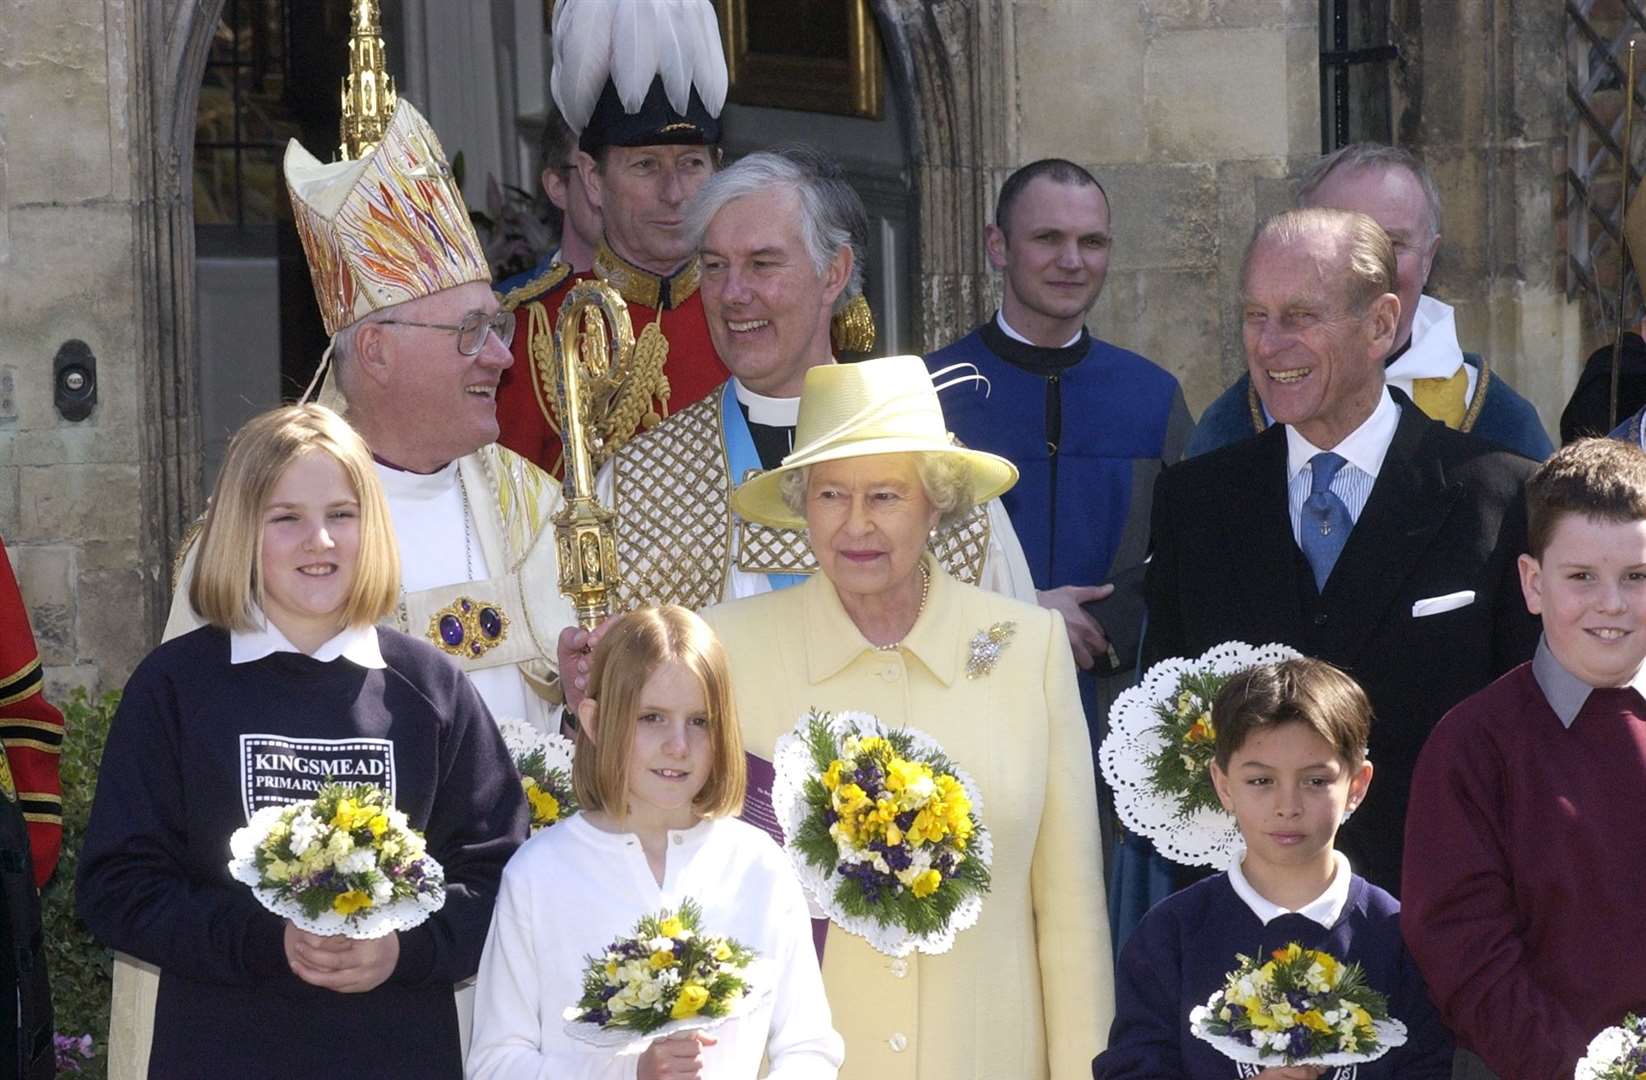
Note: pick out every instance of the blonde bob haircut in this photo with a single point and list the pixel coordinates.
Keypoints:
(227, 586)
(634, 647)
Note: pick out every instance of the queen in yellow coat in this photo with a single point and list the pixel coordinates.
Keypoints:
(1027, 993)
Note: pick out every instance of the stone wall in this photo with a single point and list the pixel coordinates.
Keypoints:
(1191, 113)
(1197, 114)
(90, 199)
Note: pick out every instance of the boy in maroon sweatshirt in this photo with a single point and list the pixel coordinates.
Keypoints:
(1525, 863)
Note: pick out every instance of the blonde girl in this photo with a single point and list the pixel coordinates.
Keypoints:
(660, 775)
(291, 683)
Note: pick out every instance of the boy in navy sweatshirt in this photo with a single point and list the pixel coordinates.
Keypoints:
(1290, 765)
(1524, 873)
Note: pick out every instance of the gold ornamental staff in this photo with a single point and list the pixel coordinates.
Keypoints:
(594, 350)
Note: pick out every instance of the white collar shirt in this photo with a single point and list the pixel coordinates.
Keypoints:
(1363, 451)
(1324, 909)
(356, 644)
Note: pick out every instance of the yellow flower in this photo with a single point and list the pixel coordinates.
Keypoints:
(870, 745)
(348, 814)
(277, 871)
(352, 901)
(926, 884)
(545, 807)
(831, 775)
(661, 959)
(848, 799)
(671, 927)
(1201, 731)
(1314, 1021)
(722, 951)
(911, 781)
(378, 826)
(693, 997)
(611, 969)
(894, 835)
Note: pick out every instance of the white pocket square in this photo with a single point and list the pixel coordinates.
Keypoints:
(1434, 605)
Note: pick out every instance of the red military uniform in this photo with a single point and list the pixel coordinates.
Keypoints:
(526, 412)
(30, 729)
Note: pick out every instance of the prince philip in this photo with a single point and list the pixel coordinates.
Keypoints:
(1355, 529)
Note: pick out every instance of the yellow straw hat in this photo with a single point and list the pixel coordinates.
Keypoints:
(885, 406)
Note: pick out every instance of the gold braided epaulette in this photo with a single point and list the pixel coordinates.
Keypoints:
(535, 286)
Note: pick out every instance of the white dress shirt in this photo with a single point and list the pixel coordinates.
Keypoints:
(1363, 451)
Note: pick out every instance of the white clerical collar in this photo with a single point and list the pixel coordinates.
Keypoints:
(357, 644)
(403, 484)
(1364, 448)
(1324, 909)
(1006, 328)
(1434, 352)
(770, 411)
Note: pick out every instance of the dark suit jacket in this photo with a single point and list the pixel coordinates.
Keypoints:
(1445, 515)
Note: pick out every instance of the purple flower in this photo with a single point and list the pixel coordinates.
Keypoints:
(66, 1047)
(1299, 1041)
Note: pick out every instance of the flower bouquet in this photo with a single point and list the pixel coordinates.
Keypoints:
(883, 830)
(665, 978)
(1618, 1053)
(544, 762)
(1161, 743)
(1301, 1007)
(344, 862)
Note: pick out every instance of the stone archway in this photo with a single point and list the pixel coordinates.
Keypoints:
(170, 43)
(949, 75)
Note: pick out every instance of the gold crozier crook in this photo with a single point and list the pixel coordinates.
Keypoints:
(593, 351)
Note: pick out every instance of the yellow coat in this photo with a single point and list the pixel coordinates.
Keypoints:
(1027, 993)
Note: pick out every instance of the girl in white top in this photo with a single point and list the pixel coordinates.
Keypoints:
(659, 772)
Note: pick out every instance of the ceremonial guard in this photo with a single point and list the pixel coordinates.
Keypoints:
(31, 834)
(678, 540)
(642, 85)
(31, 730)
(418, 345)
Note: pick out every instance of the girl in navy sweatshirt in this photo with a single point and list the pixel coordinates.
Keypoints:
(1290, 765)
(292, 683)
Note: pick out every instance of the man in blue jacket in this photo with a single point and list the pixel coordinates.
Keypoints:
(1088, 424)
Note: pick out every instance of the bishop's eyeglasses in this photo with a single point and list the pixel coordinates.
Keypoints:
(471, 332)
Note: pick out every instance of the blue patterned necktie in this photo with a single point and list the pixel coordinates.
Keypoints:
(1324, 523)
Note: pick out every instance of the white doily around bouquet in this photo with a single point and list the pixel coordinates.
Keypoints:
(1207, 837)
(375, 922)
(1604, 1053)
(792, 765)
(1390, 1034)
(521, 737)
(759, 978)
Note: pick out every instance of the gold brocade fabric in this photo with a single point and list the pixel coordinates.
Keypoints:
(1445, 400)
(674, 533)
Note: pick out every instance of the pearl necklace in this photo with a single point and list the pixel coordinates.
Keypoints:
(925, 590)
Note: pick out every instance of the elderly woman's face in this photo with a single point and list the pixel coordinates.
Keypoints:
(869, 518)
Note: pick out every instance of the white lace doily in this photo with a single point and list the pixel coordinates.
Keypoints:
(1207, 837)
(374, 922)
(1390, 1034)
(792, 764)
(758, 977)
(1604, 1052)
(521, 738)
